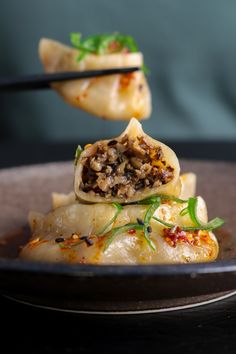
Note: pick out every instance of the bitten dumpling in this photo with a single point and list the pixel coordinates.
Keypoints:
(126, 169)
(115, 97)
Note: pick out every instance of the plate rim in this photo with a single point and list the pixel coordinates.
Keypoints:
(124, 313)
(92, 270)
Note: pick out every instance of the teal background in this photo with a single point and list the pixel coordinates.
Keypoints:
(189, 46)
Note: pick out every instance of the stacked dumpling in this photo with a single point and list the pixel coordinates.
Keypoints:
(129, 206)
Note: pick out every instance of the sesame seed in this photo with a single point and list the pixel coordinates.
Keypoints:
(140, 221)
(87, 240)
(83, 238)
(59, 239)
(149, 229)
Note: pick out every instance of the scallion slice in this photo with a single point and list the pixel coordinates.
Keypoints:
(113, 219)
(147, 218)
(211, 225)
(184, 211)
(153, 199)
(192, 210)
(118, 230)
(78, 153)
(102, 44)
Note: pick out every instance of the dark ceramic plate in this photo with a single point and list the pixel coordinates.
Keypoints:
(111, 289)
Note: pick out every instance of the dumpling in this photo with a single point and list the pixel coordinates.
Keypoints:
(126, 169)
(129, 206)
(115, 97)
(71, 234)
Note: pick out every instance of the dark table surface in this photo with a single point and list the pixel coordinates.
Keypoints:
(207, 329)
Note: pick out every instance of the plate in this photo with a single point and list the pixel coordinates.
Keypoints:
(111, 289)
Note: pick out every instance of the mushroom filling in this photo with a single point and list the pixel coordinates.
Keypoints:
(120, 168)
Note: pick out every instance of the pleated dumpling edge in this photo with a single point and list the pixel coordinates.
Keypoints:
(112, 97)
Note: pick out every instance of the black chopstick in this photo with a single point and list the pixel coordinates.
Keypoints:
(43, 81)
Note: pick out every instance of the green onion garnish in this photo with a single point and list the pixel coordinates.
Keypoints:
(77, 154)
(164, 222)
(154, 202)
(136, 226)
(64, 245)
(184, 211)
(103, 44)
(118, 230)
(192, 210)
(113, 219)
(147, 218)
(153, 199)
(211, 225)
(145, 69)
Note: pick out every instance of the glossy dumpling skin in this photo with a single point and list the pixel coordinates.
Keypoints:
(125, 169)
(115, 97)
(188, 185)
(76, 220)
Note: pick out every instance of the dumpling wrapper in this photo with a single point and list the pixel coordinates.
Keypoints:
(188, 185)
(115, 97)
(127, 248)
(61, 199)
(94, 185)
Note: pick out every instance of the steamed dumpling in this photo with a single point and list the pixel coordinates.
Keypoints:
(58, 236)
(115, 97)
(74, 232)
(126, 169)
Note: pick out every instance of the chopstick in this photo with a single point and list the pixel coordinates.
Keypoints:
(43, 81)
